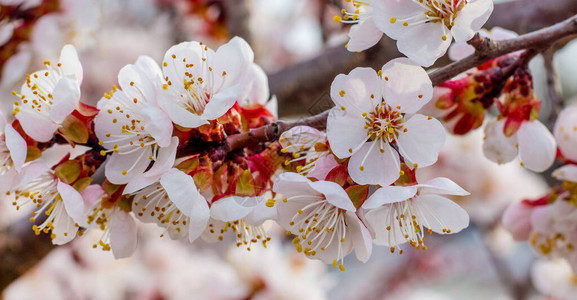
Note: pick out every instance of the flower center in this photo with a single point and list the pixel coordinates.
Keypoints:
(321, 226)
(198, 98)
(547, 244)
(244, 233)
(444, 11)
(38, 98)
(351, 17)
(42, 193)
(152, 204)
(5, 159)
(384, 123)
(406, 220)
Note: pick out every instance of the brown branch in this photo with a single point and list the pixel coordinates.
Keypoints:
(297, 87)
(273, 131)
(20, 250)
(486, 50)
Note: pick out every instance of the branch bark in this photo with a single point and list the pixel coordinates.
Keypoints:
(237, 19)
(485, 50)
(20, 250)
(299, 86)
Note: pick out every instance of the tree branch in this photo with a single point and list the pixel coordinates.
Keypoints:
(20, 250)
(297, 87)
(485, 50)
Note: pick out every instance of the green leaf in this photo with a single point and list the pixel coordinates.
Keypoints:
(358, 194)
(74, 130)
(69, 171)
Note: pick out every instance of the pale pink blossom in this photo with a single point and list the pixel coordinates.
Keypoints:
(308, 145)
(324, 219)
(424, 29)
(132, 125)
(565, 132)
(13, 147)
(533, 143)
(49, 96)
(401, 214)
(203, 84)
(375, 121)
(37, 188)
(554, 278)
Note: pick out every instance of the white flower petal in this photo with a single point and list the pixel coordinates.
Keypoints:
(183, 193)
(70, 63)
(64, 226)
(345, 131)
(221, 102)
(257, 83)
(517, 220)
(176, 59)
(378, 220)
(157, 123)
(322, 167)
(179, 115)
(384, 10)
(406, 85)
(38, 128)
(389, 194)
(424, 43)
(442, 186)
(378, 168)
(567, 172)
(361, 238)
(66, 97)
(141, 80)
(133, 163)
(537, 146)
(566, 132)
(497, 147)
(233, 208)
(234, 58)
(471, 18)
(364, 35)
(17, 146)
(335, 194)
(292, 184)
(164, 162)
(73, 201)
(260, 213)
(422, 141)
(123, 236)
(358, 92)
(441, 213)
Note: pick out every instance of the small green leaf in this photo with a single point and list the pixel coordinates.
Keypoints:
(68, 171)
(74, 130)
(358, 194)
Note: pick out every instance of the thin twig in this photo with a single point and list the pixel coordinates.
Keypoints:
(298, 86)
(486, 50)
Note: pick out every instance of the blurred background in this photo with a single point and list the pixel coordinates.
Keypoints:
(301, 48)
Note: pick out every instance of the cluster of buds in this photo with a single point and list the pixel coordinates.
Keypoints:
(463, 102)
